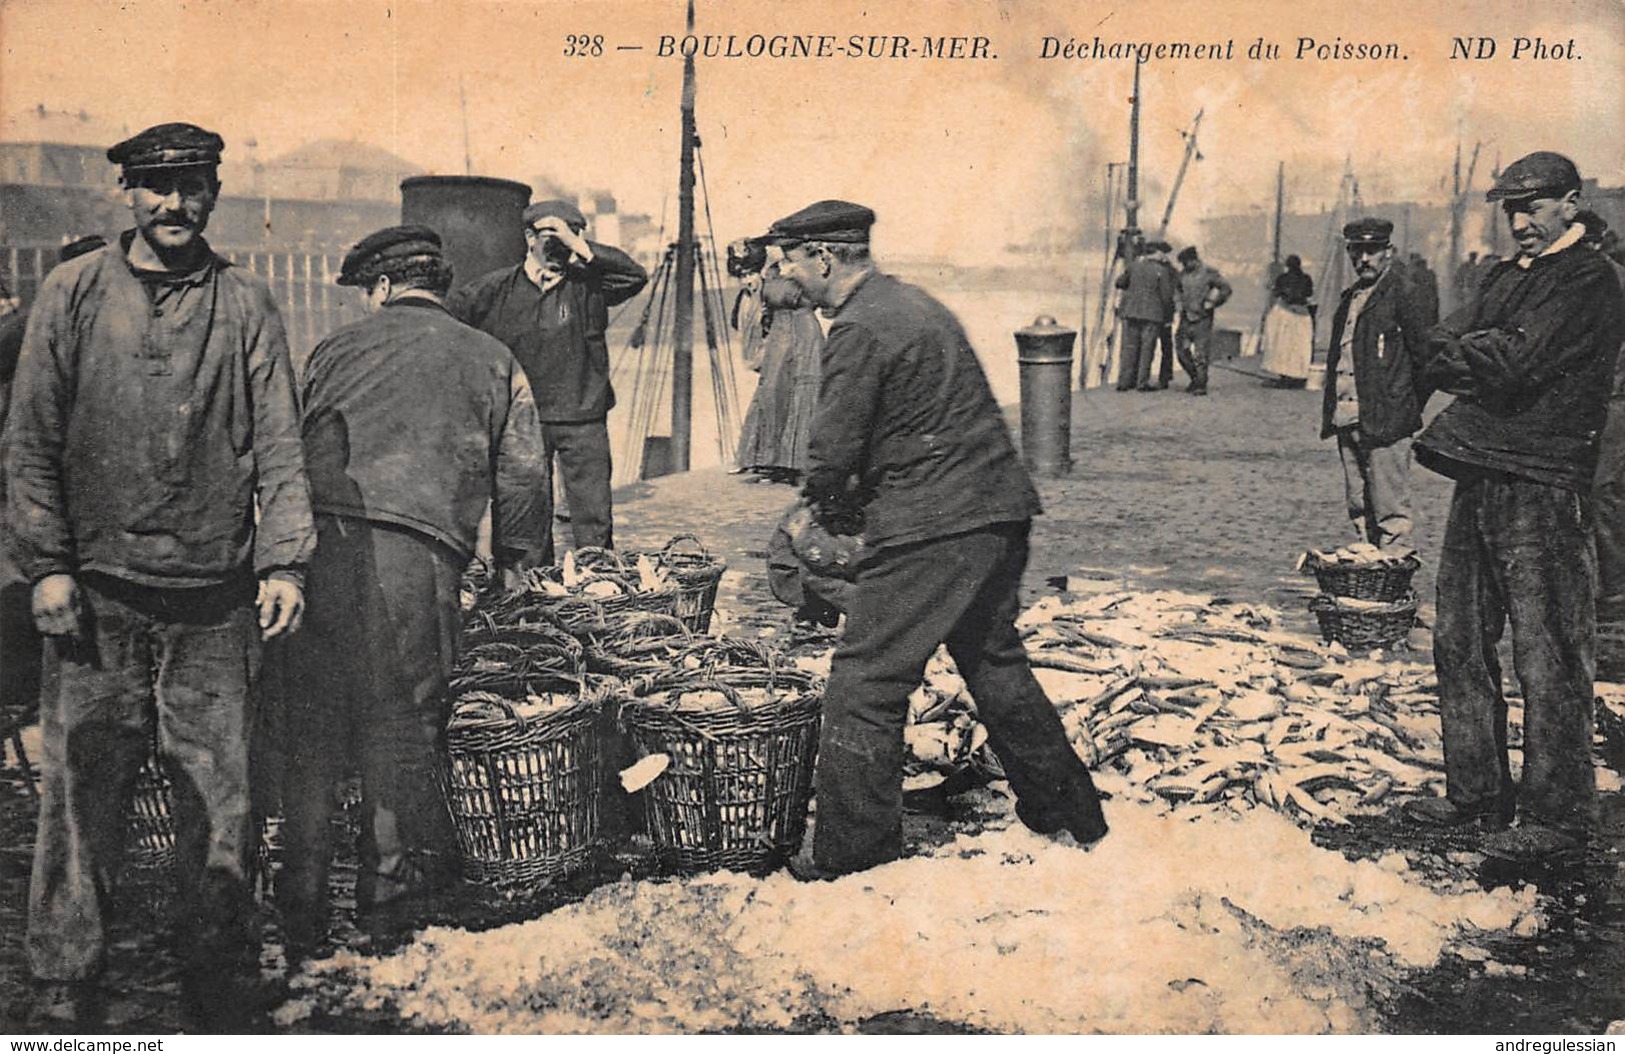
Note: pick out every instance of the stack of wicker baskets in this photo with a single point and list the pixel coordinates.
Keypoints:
(1366, 599)
(561, 686)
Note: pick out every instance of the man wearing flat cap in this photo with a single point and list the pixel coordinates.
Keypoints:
(1373, 400)
(158, 503)
(552, 311)
(908, 443)
(1530, 364)
(413, 422)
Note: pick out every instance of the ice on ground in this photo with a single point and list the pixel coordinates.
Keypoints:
(1226, 924)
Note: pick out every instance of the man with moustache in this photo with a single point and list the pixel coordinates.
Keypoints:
(157, 501)
(908, 441)
(1374, 403)
(1530, 362)
(552, 311)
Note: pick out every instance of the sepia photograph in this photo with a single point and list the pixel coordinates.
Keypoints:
(757, 517)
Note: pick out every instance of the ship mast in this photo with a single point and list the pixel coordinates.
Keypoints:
(682, 364)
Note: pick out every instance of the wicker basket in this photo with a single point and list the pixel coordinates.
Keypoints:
(736, 791)
(636, 644)
(1363, 626)
(1384, 581)
(523, 794)
(500, 654)
(607, 565)
(697, 573)
(150, 840)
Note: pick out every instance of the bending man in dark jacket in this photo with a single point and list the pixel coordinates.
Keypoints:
(551, 311)
(1374, 395)
(907, 437)
(413, 422)
(1530, 363)
(157, 501)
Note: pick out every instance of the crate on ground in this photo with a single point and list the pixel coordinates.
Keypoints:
(1361, 625)
(521, 778)
(740, 745)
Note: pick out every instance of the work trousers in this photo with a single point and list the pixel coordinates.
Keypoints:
(1193, 342)
(367, 689)
(962, 591)
(580, 453)
(1165, 356)
(1139, 346)
(1376, 487)
(178, 662)
(1608, 514)
(1518, 549)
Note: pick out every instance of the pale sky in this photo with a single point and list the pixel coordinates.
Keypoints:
(953, 155)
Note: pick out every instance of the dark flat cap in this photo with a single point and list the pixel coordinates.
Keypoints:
(1368, 232)
(391, 243)
(1541, 174)
(541, 210)
(824, 221)
(79, 246)
(173, 145)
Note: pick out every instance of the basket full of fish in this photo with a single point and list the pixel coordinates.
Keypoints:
(521, 773)
(1366, 600)
(687, 561)
(726, 751)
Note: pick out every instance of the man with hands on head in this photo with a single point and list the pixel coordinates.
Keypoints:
(157, 500)
(552, 311)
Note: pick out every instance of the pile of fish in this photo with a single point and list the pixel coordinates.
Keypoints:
(1204, 705)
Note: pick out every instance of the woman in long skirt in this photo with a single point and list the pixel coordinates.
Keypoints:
(1289, 329)
(783, 342)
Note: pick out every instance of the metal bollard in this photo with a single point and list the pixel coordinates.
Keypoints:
(1044, 352)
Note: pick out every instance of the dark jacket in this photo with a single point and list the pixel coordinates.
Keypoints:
(1151, 289)
(1530, 363)
(905, 411)
(557, 336)
(413, 418)
(148, 427)
(1390, 344)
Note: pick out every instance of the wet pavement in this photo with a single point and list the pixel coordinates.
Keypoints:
(1215, 495)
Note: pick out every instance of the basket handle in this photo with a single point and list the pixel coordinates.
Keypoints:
(708, 685)
(491, 699)
(669, 548)
(591, 555)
